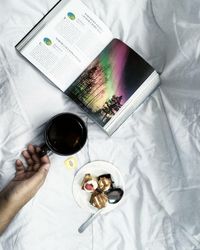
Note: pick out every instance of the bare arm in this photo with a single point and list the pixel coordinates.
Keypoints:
(24, 185)
(7, 210)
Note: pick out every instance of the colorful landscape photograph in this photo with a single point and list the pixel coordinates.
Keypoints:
(109, 81)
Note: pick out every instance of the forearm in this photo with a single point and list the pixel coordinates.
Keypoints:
(8, 209)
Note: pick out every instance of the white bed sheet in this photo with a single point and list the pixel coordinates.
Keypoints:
(156, 149)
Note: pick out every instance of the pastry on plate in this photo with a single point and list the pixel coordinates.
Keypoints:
(105, 182)
(89, 183)
(98, 199)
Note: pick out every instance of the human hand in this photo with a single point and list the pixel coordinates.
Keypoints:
(24, 185)
(27, 181)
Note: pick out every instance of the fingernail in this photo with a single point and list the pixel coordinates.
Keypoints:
(18, 162)
(24, 152)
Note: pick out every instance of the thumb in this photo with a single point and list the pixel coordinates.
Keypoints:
(42, 172)
(37, 180)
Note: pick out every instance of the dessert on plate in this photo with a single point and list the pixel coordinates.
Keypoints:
(89, 183)
(98, 187)
(105, 182)
(99, 199)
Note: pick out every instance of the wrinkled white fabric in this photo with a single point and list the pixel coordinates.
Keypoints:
(156, 149)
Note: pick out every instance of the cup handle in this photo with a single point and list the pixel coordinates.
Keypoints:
(44, 150)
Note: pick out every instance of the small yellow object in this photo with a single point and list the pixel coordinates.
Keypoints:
(71, 162)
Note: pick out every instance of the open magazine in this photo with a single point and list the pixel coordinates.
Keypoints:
(76, 51)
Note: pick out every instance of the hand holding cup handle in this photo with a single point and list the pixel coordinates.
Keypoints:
(43, 150)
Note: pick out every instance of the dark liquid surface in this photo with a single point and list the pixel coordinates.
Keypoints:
(66, 134)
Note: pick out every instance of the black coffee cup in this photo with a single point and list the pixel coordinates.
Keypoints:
(64, 134)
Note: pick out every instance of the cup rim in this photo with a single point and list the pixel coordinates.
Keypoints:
(49, 123)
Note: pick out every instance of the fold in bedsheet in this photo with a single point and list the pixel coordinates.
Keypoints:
(156, 149)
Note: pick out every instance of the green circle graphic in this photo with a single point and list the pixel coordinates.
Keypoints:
(47, 41)
(71, 15)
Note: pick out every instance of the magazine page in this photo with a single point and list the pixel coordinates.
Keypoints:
(68, 43)
(105, 88)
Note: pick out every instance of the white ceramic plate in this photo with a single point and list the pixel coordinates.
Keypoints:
(95, 168)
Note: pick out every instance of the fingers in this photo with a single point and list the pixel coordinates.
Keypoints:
(28, 158)
(45, 158)
(34, 155)
(33, 161)
(19, 167)
(33, 152)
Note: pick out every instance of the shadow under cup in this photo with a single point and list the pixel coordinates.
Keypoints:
(65, 134)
